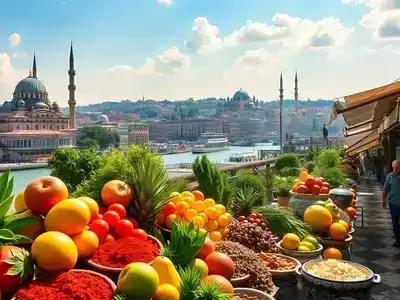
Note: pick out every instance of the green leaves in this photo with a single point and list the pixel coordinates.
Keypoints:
(22, 264)
(6, 188)
(18, 221)
(9, 237)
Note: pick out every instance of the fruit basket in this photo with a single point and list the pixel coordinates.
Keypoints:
(280, 257)
(300, 202)
(300, 255)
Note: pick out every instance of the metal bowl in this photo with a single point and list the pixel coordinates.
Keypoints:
(341, 197)
(299, 254)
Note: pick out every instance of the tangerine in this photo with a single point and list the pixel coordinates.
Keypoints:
(215, 235)
(331, 253)
(198, 195)
(213, 225)
(86, 242)
(229, 216)
(220, 209)
(92, 205)
(223, 221)
(204, 216)
(188, 194)
(68, 216)
(54, 251)
(211, 213)
(169, 208)
(224, 231)
(290, 241)
(338, 232)
(191, 213)
(169, 220)
(188, 200)
(345, 224)
(318, 217)
(175, 197)
(303, 176)
(198, 221)
(209, 202)
(166, 292)
(182, 208)
(199, 206)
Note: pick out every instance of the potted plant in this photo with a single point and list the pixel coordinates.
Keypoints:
(283, 186)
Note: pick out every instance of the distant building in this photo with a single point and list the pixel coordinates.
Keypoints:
(138, 134)
(30, 125)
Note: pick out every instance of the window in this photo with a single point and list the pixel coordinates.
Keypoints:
(17, 126)
(37, 127)
(51, 127)
(58, 127)
(27, 126)
(44, 127)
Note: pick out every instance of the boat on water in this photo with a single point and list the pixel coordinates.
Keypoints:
(176, 148)
(243, 157)
(211, 142)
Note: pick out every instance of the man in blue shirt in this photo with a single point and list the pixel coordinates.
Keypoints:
(391, 192)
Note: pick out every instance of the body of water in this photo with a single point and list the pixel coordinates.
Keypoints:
(22, 178)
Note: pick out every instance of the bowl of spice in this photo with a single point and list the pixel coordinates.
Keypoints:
(111, 257)
(250, 294)
(280, 265)
(73, 284)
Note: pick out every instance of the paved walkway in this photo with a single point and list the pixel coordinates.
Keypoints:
(372, 244)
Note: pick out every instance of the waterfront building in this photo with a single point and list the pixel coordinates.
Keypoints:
(138, 133)
(31, 125)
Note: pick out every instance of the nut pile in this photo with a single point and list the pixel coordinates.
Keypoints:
(248, 262)
(277, 263)
(253, 236)
(245, 297)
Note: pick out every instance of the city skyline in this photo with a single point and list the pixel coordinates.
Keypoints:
(177, 49)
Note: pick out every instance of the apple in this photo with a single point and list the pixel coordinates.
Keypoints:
(43, 193)
(138, 280)
(241, 218)
(116, 191)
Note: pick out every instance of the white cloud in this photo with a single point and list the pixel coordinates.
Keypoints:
(14, 39)
(170, 62)
(120, 68)
(205, 36)
(166, 2)
(256, 58)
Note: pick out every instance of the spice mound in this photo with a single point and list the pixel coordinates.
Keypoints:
(67, 286)
(119, 253)
(252, 236)
(242, 296)
(248, 262)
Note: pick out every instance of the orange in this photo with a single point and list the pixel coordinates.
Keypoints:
(213, 225)
(169, 220)
(338, 232)
(204, 216)
(303, 176)
(191, 213)
(69, 216)
(19, 202)
(215, 236)
(351, 212)
(211, 213)
(92, 205)
(209, 202)
(86, 242)
(345, 224)
(220, 209)
(166, 292)
(224, 231)
(175, 197)
(198, 195)
(229, 216)
(188, 194)
(290, 241)
(331, 253)
(198, 221)
(188, 200)
(199, 205)
(223, 221)
(318, 217)
(182, 208)
(54, 251)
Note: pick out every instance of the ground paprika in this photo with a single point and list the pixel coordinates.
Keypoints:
(68, 286)
(119, 253)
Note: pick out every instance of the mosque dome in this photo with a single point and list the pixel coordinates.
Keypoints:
(41, 105)
(241, 95)
(102, 118)
(30, 85)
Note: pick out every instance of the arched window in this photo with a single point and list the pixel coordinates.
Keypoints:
(27, 126)
(37, 127)
(44, 127)
(58, 127)
(51, 127)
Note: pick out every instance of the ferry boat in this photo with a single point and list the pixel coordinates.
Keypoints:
(210, 142)
(243, 157)
(175, 148)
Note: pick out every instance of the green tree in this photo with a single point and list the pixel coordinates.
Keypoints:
(88, 143)
(101, 135)
(73, 166)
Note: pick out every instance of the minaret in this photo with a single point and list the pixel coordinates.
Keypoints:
(296, 96)
(34, 75)
(71, 88)
(281, 112)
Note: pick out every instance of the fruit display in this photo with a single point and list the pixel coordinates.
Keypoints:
(248, 262)
(277, 263)
(254, 235)
(308, 184)
(292, 242)
(192, 207)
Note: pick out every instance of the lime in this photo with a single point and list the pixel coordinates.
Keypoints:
(303, 249)
(308, 245)
(320, 203)
(312, 240)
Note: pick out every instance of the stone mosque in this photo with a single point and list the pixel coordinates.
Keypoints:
(31, 126)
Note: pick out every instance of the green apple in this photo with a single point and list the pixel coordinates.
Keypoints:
(139, 281)
(311, 240)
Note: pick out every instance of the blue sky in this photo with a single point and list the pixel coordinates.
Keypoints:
(198, 48)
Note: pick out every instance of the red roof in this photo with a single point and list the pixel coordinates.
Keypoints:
(34, 132)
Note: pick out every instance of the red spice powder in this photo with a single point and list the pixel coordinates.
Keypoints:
(119, 253)
(68, 286)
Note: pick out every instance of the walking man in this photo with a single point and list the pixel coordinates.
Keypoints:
(325, 133)
(391, 193)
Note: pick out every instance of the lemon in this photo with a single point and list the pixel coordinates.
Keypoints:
(199, 206)
(220, 209)
(308, 245)
(209, 202)
(290, 241)
(312, 240)
(303, 249)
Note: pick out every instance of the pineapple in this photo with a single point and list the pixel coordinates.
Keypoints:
(243, 205)
(151, 193)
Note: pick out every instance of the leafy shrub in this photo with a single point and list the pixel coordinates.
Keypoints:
(282, 185)
(287, 165)
(177, 185)
(244, 179)
(328, 159)
(328, 166)
(310, 166)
